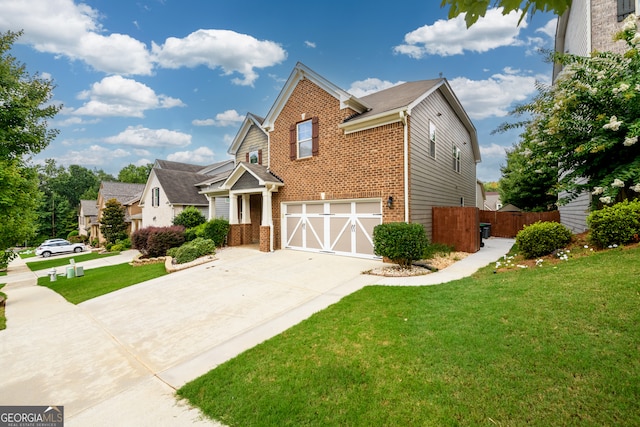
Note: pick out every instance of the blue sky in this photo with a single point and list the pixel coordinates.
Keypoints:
(168, 79)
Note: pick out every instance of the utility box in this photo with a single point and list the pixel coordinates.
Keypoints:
(71, 273)
(79, 271)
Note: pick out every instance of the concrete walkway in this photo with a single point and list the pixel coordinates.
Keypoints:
(117, 359)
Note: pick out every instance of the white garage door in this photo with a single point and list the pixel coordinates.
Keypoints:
(339, 227)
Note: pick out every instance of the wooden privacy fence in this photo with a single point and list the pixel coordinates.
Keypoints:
(507, 224)
(458, 227)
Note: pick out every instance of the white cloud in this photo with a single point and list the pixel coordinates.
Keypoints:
(494, 96)
(549, 29)
(232, 52)
(452, 37)
(202, 155)
(95, 155)
(307, 43)
(138, 136)
(493, 150)
(227, 118)
(122, 97)
(75, 121)
(370, 85)
(62, 27)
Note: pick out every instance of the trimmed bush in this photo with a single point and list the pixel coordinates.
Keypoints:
(216, 230)
(615, 225)
(190, 217)
(193, 250)
(402, 243)
(193, 232)
(542, 238)
(155, 241)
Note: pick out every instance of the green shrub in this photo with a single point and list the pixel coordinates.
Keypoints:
(193, 232)
(542, 238)
(617, 224)
(216, 230)
(155, 241)
(116, 248)
(124, 243)
(402, 243)
(193, 250)
(190, 217)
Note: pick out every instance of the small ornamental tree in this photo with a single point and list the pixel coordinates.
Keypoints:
(190, 217)
(583, 130)
(112, 224)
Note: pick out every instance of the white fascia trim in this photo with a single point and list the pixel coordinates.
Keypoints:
(374, 121)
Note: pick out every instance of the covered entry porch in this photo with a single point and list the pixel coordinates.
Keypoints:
(250, 188)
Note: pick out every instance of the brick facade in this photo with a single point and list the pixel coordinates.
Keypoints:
(239, 234)
(604, 24)
(265, 234)
(365, 164)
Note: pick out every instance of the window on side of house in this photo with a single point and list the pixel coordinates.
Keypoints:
(457, 154)
(625, 8)
(155, 196)
(303, 139)
(432, 139)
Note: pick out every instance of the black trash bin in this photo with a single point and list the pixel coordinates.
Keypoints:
(485, 229)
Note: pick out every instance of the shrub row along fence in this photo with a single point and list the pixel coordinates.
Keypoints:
(460, 226)
(507, 224)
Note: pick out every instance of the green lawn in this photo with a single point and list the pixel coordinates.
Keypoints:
(548, 346)
(101, 281)
(54, 262)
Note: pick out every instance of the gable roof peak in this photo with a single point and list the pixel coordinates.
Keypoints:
(300, 72)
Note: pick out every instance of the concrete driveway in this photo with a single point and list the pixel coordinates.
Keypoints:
(118, 359)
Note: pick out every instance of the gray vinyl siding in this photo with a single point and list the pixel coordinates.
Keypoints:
(573, 215)
(255, 140)
(222, 208)
(434, 182)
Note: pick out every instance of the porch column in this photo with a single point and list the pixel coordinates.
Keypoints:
(212, 207)
(233, 208)
(246, 209)
(266, 208)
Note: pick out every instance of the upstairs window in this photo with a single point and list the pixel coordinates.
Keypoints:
(457, 154)
(155, 196)
(625, 8)
(303, 139)
(432, 139)
(254, 157)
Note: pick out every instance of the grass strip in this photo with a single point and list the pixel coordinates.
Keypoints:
(543, 346)
(101, 281)
(63, 262)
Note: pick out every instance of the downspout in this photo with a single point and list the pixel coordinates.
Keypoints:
(405, 122)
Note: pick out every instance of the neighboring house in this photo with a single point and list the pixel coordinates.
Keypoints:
(587, 26)
(481, 195)
(324, 167)
(173, 186)
(87, 216)
(492, 201)
(128, 195)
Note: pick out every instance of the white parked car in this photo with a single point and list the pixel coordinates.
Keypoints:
(58, 246)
